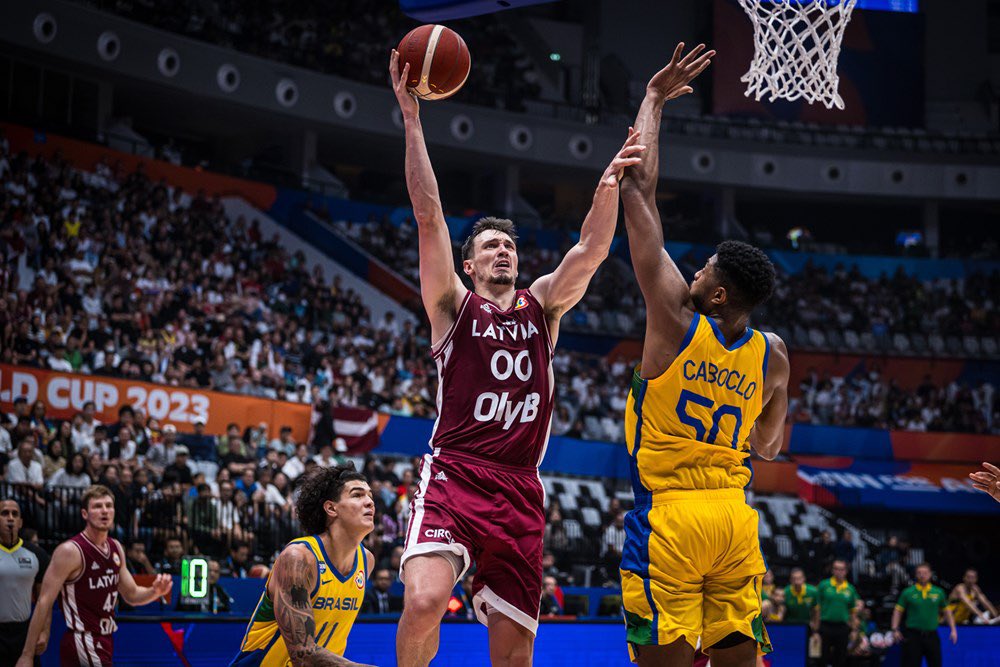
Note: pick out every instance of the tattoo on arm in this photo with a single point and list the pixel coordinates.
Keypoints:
(294, 579)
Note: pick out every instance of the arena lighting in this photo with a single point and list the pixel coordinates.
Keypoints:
(555, 57)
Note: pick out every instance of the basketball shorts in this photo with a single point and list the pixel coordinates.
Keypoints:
(85, 649)
(692, 568)
(470, 509)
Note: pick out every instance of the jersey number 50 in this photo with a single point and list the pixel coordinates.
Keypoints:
(688, 396)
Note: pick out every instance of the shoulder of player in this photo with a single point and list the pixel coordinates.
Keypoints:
(67, 558)
(295, 556)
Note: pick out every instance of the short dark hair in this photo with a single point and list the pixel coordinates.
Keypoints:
(486, 224)
(320, 485)
(746, 273)
(126, 410)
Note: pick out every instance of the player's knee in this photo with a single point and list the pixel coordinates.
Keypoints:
(425, 604)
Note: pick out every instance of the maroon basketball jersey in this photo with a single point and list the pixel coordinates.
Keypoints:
(495, 382)
(89, 601)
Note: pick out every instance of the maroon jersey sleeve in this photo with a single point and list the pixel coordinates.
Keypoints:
(495, 388)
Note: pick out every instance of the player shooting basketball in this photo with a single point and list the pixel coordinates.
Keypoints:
(708, 390)
(480, 497)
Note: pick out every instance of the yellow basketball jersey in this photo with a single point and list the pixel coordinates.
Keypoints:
(687, 429)
(335, 603)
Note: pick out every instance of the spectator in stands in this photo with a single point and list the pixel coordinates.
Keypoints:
(844, 549)
(550, 605)
(297, 464)
(72, 474)
(25, 469)
(137, 560)
(822, 554)
(173, 551)
(179, 470)
(201, 446)
(837, 607)
(55, 458)
(284, 442)
(163, 453)
(889, 562)
(237, 564)
(203, 521)
(550, 569)
(228, 514)
(378, 600)
(969, 603)
(83, 428)
(612, 542)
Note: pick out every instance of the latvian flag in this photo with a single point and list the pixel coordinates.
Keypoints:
(358, 427)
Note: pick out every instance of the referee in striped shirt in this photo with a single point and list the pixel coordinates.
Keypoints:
(22, 567)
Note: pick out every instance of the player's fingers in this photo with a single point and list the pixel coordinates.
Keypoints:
(629, 150)
(693, 54)
(992, 468)
(677, 53)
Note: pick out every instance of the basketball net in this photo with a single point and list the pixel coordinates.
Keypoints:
(796, 46)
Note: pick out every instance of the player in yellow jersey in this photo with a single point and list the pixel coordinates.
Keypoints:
(315, 589)
(709, 390)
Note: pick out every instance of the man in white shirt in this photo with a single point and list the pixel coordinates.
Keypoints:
(25, 469)
(297, 464)
(163, 453)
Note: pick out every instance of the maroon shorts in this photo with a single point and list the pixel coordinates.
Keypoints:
(486, 512)
(85, 649)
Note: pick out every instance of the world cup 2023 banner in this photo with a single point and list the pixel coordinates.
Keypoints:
(65, 394)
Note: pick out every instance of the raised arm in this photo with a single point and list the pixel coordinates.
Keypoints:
(440, 287)
(65, 563)
(292, 582)
(563, 288)
(658, 276)
(769, 429)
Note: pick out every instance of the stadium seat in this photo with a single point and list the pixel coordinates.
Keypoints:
(971, 345)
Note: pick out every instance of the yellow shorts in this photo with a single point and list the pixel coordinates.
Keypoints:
(692, 568)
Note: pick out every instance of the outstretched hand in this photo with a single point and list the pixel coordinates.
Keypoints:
(162, 584)
(672, 81)
(407, 101)
(626, 157)
(987, 480)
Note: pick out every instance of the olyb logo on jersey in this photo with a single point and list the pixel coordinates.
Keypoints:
(493, 406)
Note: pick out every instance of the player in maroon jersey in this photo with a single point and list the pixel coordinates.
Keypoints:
(89, 572)
(480, 497)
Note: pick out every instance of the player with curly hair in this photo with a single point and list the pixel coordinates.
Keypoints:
(315, 590)
(709, 390)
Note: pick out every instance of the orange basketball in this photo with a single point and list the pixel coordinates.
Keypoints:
(258, 571)
(439, 61)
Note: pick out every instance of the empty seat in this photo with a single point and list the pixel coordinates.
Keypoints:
(936, 343)
(901, 343)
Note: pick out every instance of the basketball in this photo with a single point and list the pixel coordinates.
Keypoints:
(258, 571)
(439, 61)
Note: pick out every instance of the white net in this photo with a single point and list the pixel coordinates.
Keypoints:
(796, 46)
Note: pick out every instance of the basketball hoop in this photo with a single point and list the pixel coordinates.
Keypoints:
(796, 46)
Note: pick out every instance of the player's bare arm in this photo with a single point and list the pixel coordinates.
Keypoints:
(768, 431)
(291, 583)
(65, 565)
(668, 307)
(441, 290)
(137, 595)
(563, 288)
